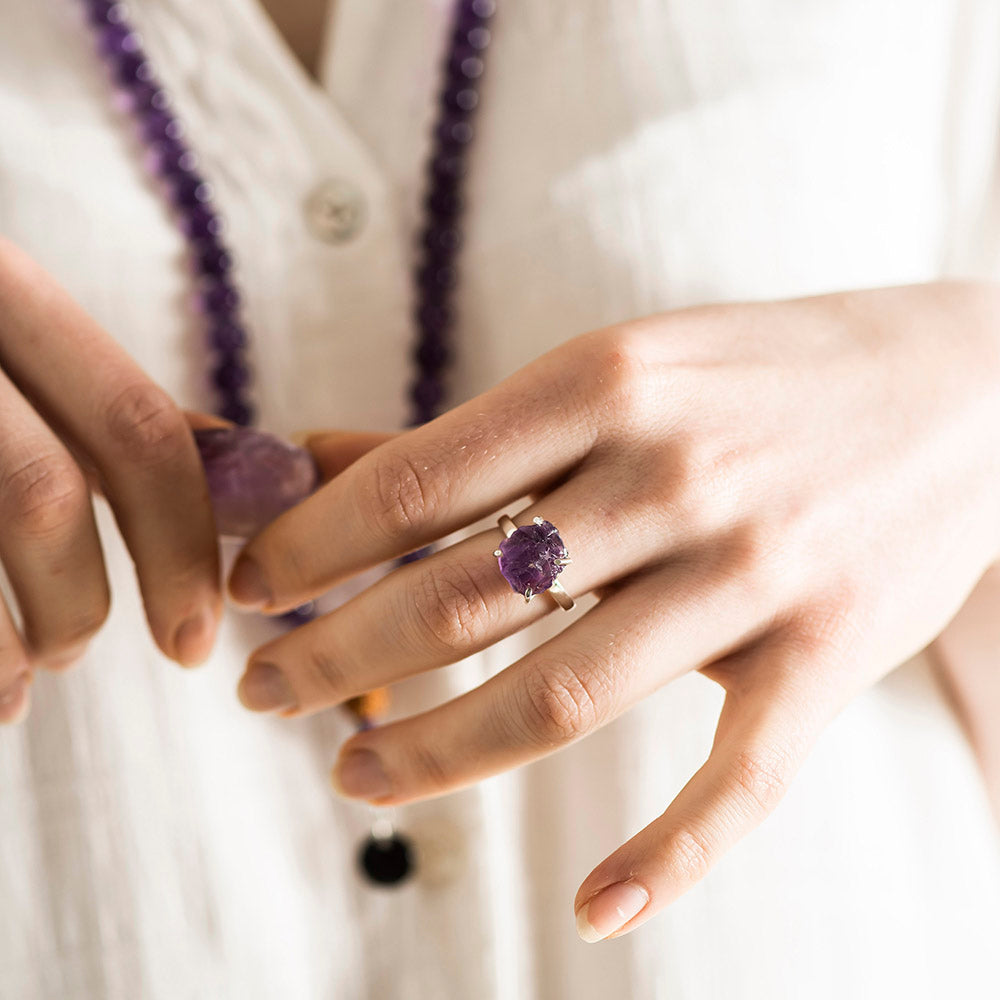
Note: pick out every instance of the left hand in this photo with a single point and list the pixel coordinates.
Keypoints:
(791, 497)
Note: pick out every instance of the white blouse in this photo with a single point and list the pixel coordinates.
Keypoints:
(157, 841)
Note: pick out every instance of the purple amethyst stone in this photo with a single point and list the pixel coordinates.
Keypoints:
(253, 477)
(532, 557)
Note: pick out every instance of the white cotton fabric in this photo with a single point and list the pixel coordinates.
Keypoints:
(157, 841)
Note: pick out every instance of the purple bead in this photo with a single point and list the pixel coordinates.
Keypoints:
(253, 477)
(427, 392)
(468, 67)
(448, 166)
(461, 98)
(477, 36)
(443, 203)
(444, 240)
(106, 12)
(148, 95)
(219, 298)
(532, 558)
(484, 9)
(454, 130)
(118, 40)
(132, 68)
(433, 317)
(432, 356)
(189, 189)
(238, 411)
(214, 261)
(201, 223)
(174, 159)
(230, 374)
(432, 276)
(227, 337)
(158, 126)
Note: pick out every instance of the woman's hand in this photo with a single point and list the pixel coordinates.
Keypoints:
(791, 497)
(76, 410)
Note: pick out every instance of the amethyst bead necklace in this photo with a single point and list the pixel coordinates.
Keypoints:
(385, 857)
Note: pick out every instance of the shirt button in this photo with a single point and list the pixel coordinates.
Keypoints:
(335, 211)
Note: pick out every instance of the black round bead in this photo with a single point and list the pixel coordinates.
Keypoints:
(386, 861)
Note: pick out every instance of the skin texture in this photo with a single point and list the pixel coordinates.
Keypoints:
(71, 427)
(791, 497)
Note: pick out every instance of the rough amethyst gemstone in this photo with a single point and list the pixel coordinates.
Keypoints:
(253, 477)
(532, 558)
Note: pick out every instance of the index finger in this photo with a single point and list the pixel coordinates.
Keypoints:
(88, 389)
(420, 486)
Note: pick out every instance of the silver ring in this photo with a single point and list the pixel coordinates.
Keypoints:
(528, 570)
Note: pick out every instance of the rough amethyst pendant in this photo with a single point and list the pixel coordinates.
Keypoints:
(253, 477)
(532, 557)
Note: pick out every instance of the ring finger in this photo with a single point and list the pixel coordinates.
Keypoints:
(437, 610)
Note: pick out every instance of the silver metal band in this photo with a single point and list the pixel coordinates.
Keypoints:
(558, 592)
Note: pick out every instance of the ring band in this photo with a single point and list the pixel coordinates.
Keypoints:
(546, 552)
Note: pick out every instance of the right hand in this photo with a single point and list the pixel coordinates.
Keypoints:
(77, 412)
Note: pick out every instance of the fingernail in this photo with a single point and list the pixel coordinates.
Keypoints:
(193, 640)
(360, 774)
(610, 909)
(265, 688)
(14, 700)
(246, 584)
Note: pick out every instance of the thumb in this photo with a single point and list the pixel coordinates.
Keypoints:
(763, 735)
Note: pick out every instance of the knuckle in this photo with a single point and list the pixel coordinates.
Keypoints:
(760, 775)
(327, 669)
(44, 495)
(145, 427)
(66, 642)
(690, 851)
(450, 608)
(428, 767)
(626, 378)
(400, 496)
(559, 705)
(835, 624)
